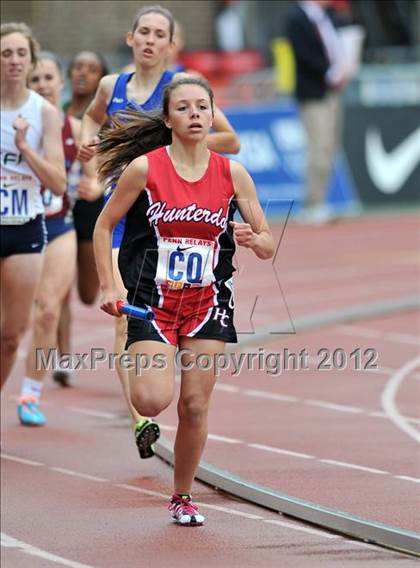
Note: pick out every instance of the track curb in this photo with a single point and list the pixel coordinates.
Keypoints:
(331, 519)
(325, 319)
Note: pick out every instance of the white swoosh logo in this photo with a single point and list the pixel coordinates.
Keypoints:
(390, 170)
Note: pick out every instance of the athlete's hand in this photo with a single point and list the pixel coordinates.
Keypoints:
(87, 151)
(89, 188)
(21, 126)
(244, 235)
(109, 301)
(339, 85)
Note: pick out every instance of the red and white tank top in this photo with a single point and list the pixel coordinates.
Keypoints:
(177, 233)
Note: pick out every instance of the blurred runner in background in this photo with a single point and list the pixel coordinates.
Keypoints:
(31, 157)
(60, 257)
(85, 71)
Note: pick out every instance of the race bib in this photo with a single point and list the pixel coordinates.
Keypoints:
(185, 262)
(18, 199)
(52, 203)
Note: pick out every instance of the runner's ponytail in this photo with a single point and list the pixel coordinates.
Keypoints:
(129, 135)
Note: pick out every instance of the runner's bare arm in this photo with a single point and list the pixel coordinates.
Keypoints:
(130, 185)
(49, 167)
(89, 187)
(224, 138)
(95, 116)
(255, 232)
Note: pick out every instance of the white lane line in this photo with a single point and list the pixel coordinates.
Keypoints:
(303, 276)
(389, 371)
(167, 428)
(330, 462)
(225, 387)
(140, 490)
(269, 395)
(369, 333)
(389, 394)
(383, 415)
(403, 338)
(20, 460)
(319, 403)
(281, 451)
(224, 439)
(408, 478)
(331, 406)
(266, 395)
(95, 413)
(343, 293)
(77, 474)
(10, 542)
(379, 414)
(227, 510)
(302, 529)
(357, 331)
(262, 447)
(230, 511)
(354, 466)
(215, 507)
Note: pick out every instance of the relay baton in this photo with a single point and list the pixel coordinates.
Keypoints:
(135, 311)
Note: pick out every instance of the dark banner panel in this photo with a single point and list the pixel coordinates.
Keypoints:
(382, 145)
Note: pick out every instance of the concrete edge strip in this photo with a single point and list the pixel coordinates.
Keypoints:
(332, 519)
(324, 319)
(337, 521)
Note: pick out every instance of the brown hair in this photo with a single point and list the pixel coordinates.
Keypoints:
(131, 134)
(50, 56)
(21, 28)
(156, 9)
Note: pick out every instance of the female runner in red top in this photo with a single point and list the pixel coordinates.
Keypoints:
(176, 258)
(151, 41)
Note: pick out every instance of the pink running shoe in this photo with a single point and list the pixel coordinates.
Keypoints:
(184, 512)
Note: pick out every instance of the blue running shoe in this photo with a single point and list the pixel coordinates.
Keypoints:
(29, 413)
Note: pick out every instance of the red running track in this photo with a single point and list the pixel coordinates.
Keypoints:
(319, 269)
(323, 435)
(76, 489)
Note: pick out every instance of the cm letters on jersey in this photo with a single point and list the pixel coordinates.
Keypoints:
(17, 199)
